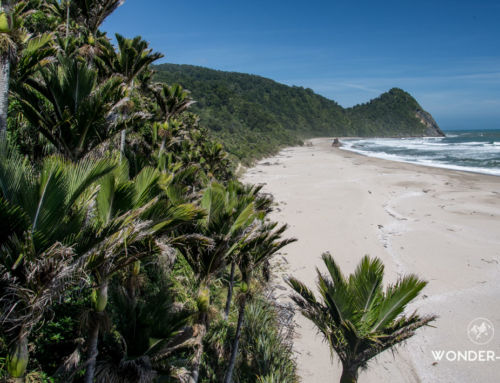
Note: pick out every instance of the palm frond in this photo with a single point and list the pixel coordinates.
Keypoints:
(13, 220)
(357, 318)
(72, 109)
(133, 57)
(36, 53)
(213, 201)
(84, 173)
(146, 185)
(366, 287)
(338, 279)
(396, 298)
(305, 298)
(92, 13)
(16, 174)
(243, 219)
(46, 278)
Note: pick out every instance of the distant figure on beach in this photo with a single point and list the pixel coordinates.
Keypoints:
(336, 143)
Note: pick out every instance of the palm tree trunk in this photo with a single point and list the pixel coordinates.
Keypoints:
(195, 371)
(163, 143)
(17, 360)
(229, 291)
(349, 374)
(67, 18)
(92, 351)
(234, 352)
(4, 91)
(122, 143)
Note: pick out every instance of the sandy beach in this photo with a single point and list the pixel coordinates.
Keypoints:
(441, 224)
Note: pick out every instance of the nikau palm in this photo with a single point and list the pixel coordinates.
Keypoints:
(128, 212)
(240, 196)
(357, 317)
(11, 37)
(172, 101)
(41, 216)
(8, 48)
(71, 108)
(92, 13)
(256, 249)
(129, 62)
(133, 57)
(224, 223)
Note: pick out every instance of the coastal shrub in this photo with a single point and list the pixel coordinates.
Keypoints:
(266, 349)
(358, 318)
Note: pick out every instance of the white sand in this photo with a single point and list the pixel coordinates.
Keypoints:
(440, 224)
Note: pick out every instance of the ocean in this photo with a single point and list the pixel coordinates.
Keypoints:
(469, 150)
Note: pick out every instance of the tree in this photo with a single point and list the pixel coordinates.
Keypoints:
(171, 101)
(243, 195)
(128, 212)
(12, 35)
(132, 59)
(92, 13)
(256, 249)
(214, 159)
(71, 108)
(41, 215)
(358, 319)
(29, 291)
(148, 321)
(8, 48)
(224, 224)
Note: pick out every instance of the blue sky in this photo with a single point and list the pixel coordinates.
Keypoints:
(445, 53)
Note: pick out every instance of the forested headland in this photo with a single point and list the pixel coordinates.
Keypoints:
(254, 116)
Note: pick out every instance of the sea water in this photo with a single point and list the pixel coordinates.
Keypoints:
(468, 150)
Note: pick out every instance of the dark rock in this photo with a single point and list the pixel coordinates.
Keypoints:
(336, 143)
(432, 128)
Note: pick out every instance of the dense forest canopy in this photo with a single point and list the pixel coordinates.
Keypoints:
(253, 116)
(129, 251)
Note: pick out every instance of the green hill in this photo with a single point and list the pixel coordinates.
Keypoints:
(254, 116)
(395, 113)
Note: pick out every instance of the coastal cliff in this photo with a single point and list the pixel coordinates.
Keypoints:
(393, 114)
(426, 119)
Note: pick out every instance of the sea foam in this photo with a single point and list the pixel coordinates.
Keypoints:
(472, 151)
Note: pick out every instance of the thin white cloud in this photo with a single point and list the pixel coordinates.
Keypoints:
(360, 87)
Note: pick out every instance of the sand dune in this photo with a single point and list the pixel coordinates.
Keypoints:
(443, 225)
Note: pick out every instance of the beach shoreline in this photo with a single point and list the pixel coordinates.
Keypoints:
(439, 223)
(415, 159)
